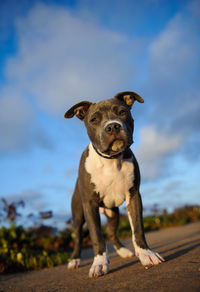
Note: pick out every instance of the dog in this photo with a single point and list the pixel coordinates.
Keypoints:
(108, 175)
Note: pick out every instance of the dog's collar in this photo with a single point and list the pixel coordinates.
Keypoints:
(107, 157)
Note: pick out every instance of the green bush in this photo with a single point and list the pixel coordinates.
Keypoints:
(22, 250)
(179, 216)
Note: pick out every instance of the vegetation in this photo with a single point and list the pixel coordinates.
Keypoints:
(162, 219)
(23, 249)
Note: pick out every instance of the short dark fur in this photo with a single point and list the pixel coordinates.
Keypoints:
(85, 201)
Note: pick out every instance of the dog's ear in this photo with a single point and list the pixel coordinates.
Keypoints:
(80, 109)
(129, 97)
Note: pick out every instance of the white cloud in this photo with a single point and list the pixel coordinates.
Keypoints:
(174, 65)
(62, 57)
(15, 119)
(19, 128)
(155, 144)
(173, 85)
(153, 149)
(174, 53)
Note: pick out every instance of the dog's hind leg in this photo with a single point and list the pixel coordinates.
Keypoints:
(78, 221)
(111, 229)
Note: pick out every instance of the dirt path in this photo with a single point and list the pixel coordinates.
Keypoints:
(180, 246)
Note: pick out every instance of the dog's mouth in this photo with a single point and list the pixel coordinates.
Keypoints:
(112, 146)
(117, 146)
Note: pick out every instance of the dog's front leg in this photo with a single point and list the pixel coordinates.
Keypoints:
(142, 251)
(101, 261)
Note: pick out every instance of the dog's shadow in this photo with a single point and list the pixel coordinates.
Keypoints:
(181, 252)
(169, 257)
(171, 254)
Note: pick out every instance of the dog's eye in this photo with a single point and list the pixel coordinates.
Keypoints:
(122, 112)
(93, 120)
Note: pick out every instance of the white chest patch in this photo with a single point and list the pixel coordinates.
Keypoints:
(112, 177)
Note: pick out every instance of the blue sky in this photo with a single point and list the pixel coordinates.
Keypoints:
(57, 53)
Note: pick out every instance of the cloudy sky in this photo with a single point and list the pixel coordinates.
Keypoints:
(57, 53)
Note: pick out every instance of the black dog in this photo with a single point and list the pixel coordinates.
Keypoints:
(108, 176)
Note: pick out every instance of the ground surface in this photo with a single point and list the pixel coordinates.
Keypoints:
(181, 272)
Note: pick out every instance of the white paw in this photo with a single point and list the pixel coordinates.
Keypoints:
(73, 264)
(148, 257)
(99, 266)
(124, 252)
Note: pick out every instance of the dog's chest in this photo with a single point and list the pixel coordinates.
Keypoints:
(112, 178)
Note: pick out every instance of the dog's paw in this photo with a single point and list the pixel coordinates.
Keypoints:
(98, 270)
(148, 257)
(73, 264)
(100, 266)
(124, 252)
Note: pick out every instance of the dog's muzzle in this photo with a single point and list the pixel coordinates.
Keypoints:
(115, 138)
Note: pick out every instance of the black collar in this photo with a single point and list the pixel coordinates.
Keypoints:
(107, 157)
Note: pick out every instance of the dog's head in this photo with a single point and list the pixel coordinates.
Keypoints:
(109, 123)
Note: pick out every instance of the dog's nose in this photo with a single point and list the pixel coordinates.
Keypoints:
(113, 128)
